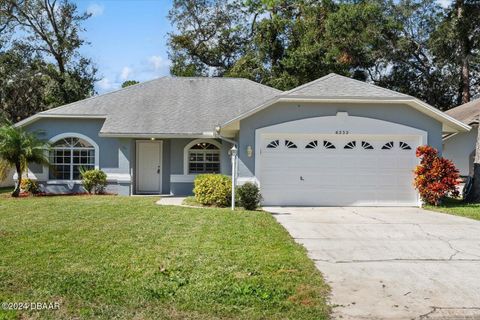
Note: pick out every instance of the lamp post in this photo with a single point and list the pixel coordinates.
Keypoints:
(233, 154)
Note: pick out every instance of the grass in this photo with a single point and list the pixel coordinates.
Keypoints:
(111, 257)
(190, 201)
(459, 208)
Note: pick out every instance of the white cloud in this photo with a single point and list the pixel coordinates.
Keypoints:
(95, 9)
(445, 3)
(105, 84)
(125, 74)
(158, 62)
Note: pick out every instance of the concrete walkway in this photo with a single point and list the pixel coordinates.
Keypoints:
(171, 201)
(392, 263)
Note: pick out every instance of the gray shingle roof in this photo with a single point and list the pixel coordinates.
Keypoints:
(195, 106)
(171, 105)
(337, 86)
(468, 113)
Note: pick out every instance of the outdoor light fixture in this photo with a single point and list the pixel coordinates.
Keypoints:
(153, 139)
(249, 151)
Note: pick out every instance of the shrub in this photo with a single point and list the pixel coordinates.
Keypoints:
(94, 181)
(435, 177)
(213, 189)
(249, 196)
(30, 186)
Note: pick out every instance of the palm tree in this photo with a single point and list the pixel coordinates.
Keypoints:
(17, 149)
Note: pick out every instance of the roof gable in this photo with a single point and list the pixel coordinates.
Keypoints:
(336, 88)
(334, 85)
(468, 113)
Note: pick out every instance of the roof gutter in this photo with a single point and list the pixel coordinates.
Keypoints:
(40, 115)
(219, 136)
(143, 135)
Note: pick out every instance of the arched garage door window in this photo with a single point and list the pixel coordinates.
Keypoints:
(69, 155)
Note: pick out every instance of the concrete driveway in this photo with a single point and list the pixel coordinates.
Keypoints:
(392, 263)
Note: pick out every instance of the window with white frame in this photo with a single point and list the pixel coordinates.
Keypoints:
(68, 156)
(203, 157)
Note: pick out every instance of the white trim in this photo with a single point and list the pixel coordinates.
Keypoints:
(39, 116)
(204, 135)
(111, 177)
(194, 142)
(72, 135)
(137, 142)
(182, 178)
(242, 180)
(449, 124)
(64, 181)
(451, 135)
(119, 177)
(448, 136)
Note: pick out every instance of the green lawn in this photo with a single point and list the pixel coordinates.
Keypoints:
(459, 208)
(126, 258)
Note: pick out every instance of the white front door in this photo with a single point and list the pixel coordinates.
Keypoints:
(149, 166)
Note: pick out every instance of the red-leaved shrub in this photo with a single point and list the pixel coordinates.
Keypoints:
(435, 177)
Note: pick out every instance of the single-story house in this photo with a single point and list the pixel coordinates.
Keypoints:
(460, 146)
(333, 141)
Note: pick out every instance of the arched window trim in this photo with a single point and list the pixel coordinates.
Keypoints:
(79, 136)
(191, 144)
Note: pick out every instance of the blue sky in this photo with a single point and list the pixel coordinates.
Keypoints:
(127, 40)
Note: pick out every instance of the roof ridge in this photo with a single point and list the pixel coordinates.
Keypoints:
(261, 84)
(104, 94)
(205, 78)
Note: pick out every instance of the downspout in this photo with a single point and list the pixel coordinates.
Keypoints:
(233, 154)
(235, 143)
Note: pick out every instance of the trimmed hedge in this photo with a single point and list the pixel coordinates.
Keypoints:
(213, 189)
(249, 196)
(94, 181)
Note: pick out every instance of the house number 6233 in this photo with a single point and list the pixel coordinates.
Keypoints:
(342, 132)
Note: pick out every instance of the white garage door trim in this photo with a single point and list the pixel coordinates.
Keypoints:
(340, 127)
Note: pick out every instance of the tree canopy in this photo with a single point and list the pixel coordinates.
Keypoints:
(40, 63)
(412, 46)
(129, 83)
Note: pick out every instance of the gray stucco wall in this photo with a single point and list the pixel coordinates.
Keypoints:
(114, 154)
(118, 156)
(459, 149)
(177, 147)
(283, 112)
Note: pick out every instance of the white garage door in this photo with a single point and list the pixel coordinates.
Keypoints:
(332, 170)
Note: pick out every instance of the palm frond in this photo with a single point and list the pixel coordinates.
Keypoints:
(18, 146)
(5, 168)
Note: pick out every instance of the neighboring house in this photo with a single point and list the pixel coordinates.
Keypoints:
(333, 141)
(460, 147)
(8, 182)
